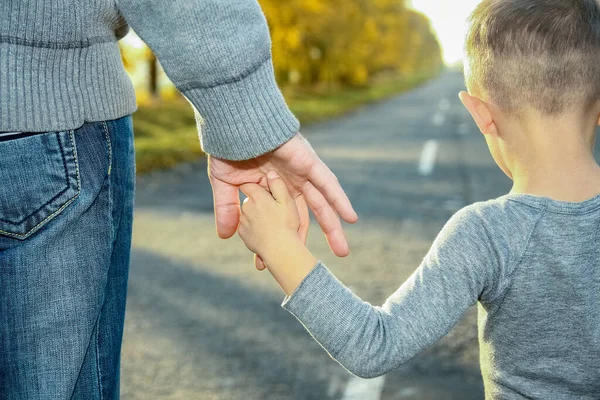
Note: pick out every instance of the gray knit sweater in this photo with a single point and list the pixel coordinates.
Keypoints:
(533, 266)
(60, 66)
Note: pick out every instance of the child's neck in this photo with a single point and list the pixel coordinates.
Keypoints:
(552, 164)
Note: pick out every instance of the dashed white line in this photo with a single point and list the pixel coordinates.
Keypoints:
(438, 119)
(364, 389)
(406, 392)
(427, 162)
(445, 104)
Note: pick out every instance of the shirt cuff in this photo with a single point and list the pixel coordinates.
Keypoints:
(244, 118)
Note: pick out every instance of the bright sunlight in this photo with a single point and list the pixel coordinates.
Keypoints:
(449, 21)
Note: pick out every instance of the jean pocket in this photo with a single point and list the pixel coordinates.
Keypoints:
(39, 178)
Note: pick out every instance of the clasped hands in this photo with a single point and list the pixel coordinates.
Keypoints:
(269, 222)
(309, 183)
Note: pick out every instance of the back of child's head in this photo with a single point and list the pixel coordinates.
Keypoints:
(541, 55)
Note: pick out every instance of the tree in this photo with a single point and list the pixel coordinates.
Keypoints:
(152, 75)
(349, 43)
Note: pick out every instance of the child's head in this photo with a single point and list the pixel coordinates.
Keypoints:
(532, 59)
(538, 54)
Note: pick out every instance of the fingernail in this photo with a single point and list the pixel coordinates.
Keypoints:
(272, 175)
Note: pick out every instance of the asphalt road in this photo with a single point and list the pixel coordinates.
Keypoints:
(203, 324)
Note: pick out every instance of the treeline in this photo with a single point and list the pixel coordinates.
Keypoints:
(328, 43)
(348, 42)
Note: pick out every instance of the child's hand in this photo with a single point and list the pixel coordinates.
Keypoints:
(269, 227)
(269, 221)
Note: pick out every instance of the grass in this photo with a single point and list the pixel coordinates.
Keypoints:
(165, 132)
(165, 135)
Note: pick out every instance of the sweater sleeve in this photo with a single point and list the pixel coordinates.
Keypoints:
(460, 268)
(218, 54)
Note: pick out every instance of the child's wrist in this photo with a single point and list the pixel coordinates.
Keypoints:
(289, 261)
(280, 250)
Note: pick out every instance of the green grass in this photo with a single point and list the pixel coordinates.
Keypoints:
(165, 132)
(165, 135)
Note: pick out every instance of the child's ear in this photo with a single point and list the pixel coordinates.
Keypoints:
(480, 112)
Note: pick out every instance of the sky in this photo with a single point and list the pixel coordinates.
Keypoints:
(449, 21)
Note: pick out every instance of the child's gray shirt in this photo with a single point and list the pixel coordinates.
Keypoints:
(531, 262)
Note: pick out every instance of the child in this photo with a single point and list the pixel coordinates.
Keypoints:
(530, 259)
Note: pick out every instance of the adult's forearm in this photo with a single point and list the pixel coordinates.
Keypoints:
(218, 54)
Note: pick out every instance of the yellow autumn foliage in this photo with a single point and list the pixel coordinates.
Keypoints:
(330, 43)
(348, 42)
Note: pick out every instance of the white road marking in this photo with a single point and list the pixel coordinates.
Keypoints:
(445, 104)
(364, 389)
(438, 119)
(408, 392)
(427, 162)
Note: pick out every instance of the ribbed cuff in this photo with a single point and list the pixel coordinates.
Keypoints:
(243, 119)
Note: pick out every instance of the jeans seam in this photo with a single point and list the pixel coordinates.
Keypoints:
(100, 389)
(110, 207)
(109, 144)
(64, 205)
(68, 185)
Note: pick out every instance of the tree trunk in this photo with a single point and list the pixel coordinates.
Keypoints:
(153, 76)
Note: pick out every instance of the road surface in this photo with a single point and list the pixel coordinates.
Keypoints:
(203, 324)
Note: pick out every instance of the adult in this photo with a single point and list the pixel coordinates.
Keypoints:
(67, 168)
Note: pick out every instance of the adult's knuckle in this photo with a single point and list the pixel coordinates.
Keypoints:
(320, 210)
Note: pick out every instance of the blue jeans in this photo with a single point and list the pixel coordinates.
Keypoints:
(66, 209)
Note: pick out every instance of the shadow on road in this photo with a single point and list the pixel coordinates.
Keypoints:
(233, 339)
(379, 190)
(201, 325)
(229, 339)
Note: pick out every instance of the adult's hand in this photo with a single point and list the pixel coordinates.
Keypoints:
(308, 179)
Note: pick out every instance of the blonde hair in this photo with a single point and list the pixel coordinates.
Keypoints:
(540, 54)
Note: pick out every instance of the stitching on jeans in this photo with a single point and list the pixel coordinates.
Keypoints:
(76, 157)
(109, 144)
(66, 204)
(62, 152)
(79, 44)
(234, 79)
(32, 230)
(100, 389)
(108, 182)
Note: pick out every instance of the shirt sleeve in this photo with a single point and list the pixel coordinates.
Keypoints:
(460, 268)
(218, 54)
